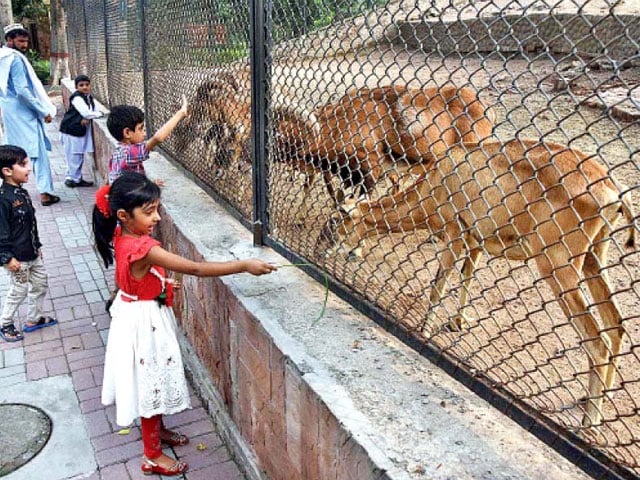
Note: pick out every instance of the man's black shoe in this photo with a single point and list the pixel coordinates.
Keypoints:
(47, 199)
(82, 183)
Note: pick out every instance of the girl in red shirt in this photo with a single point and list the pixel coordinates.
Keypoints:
(143, 370)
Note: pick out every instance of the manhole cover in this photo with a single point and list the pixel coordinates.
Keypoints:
(24, 430)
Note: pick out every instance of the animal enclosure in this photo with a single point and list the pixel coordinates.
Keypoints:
(468, 171)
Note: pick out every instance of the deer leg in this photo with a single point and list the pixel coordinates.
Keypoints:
(337, 197)
(563, 276)
(303, 215)
(371, 174)
(598, 284)
(447, 260)
(461, 321)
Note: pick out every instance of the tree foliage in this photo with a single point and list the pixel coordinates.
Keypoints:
(34, 9)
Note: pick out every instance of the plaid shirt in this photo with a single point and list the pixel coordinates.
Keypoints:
(127, 157)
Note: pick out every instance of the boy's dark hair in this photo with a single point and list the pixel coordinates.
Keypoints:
(128, 191)
(81, 78)
(18, 32)
(9, 156)
(121, 117)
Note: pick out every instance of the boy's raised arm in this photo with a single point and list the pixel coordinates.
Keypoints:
(165, 130)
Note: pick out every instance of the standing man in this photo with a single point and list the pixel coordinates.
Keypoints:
(26, 107)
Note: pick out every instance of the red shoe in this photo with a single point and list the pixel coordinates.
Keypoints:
(150, 467)
(175, 439)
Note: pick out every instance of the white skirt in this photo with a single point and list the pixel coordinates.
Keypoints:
(143, 370)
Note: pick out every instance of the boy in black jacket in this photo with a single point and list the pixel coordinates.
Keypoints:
(75, 131)
(20, 246)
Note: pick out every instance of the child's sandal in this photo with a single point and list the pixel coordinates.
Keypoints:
(175, 439)
(149, 467)
(10, 334)
(42, 322)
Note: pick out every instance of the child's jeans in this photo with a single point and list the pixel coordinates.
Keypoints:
(31, 280)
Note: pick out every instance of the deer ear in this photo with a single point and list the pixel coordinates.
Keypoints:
(350, 203)
(349, 207)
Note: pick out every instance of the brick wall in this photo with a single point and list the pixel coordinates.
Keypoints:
(285, 423)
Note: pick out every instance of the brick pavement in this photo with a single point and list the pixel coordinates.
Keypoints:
(75, 347)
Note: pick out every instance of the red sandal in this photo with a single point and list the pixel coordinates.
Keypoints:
(175, 439)
(150, 467)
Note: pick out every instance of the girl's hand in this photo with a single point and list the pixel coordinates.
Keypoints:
(185, 106)
(258, 267)
(175, 282)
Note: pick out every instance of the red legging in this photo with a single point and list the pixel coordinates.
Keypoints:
(151, 436)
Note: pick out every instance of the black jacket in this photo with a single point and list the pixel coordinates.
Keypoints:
(18, 228)
(71, 122)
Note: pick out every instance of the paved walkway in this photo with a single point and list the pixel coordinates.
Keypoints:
(59, 368)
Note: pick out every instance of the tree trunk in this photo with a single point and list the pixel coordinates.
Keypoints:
(59, 50)
(6, 14)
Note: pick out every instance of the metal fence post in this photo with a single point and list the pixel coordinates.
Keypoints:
(105, 22)
(86, 40)
(260, 69)
(148, 109)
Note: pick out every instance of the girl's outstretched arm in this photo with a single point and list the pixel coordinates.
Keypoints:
(170, 261)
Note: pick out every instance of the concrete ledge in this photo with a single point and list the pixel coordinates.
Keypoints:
(338, 399)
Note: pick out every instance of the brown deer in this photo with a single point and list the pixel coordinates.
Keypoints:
(523, 200)
(358, 138)
(370, 131)
(220, 117)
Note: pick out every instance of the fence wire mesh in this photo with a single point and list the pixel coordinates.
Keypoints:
(124, 37)
(76, 37)
(207, 41)
(96, 48)
(469, 168)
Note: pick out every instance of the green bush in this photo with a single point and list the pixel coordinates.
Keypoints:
(43, 70)
(40, 66)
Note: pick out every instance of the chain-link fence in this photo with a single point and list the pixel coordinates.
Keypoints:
(77, 37)
(468, 171)
(124, 27)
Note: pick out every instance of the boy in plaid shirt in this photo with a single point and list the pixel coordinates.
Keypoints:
(126, 125)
